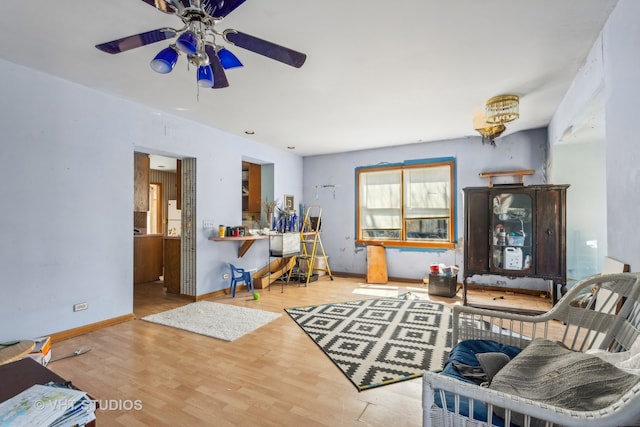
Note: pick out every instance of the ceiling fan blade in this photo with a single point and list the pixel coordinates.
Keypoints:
(220, 8)
(161, 5)
(219, 76)
(265, 48)
(169, 6)
(137, 40)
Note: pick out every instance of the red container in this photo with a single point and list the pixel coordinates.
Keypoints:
(435, 269)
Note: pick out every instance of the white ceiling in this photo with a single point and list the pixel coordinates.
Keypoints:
(167, 164)
(378, 73)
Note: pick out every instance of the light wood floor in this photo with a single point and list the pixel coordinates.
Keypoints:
(275, 376)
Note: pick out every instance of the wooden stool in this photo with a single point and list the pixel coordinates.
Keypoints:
(376, 265)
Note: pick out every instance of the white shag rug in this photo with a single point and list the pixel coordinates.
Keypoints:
(222, 321)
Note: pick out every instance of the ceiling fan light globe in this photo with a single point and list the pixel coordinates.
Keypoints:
(187, 42)
(205, 76)
(164, 61)
(228, 59)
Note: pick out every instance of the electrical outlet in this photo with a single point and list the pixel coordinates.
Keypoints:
(80, 306)
(225, 276)
(207, 223)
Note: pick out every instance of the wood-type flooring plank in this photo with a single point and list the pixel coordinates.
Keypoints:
(274, 376)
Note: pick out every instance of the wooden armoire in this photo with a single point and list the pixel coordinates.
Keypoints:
(516, 231)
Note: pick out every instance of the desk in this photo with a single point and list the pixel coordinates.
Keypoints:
(247, 241)
(18, 376)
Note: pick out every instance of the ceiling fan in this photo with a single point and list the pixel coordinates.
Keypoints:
(197, 39)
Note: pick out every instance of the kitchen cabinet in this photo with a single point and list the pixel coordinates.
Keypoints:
(251, 192)
(147, 258)
(516, 231)
(141, 182)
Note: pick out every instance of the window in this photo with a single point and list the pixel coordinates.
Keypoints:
(410, 204)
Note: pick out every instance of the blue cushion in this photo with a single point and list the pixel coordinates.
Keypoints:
(465, 353)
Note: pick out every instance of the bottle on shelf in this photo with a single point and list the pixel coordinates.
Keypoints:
(502, 238)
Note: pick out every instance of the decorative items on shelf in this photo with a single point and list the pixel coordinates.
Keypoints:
(238, 231)
(285, 220)
(269, 212)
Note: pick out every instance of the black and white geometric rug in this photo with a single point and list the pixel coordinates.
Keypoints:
(379, 341)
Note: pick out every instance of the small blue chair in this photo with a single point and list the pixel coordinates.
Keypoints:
(240, 275)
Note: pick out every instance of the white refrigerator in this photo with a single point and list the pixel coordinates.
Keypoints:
(174, 219)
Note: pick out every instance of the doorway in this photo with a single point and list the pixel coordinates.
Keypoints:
(165, 185)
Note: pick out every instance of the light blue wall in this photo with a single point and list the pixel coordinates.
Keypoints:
(613, 68)
(578, 157)
(622, 104)
(582, 166)
(523, 150)
(67, 193)
(612, 64)
(67, 199)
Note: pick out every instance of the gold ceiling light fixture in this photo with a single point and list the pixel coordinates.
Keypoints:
(490, 122)
(502, 109)
(488, 131)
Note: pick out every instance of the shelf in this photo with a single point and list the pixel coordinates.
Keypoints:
(519, 173)
(526, 220)
(247, 241)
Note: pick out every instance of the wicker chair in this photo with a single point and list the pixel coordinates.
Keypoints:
(601, 312)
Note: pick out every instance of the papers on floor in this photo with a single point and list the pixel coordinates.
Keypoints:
(45, 405)
(41, 353)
